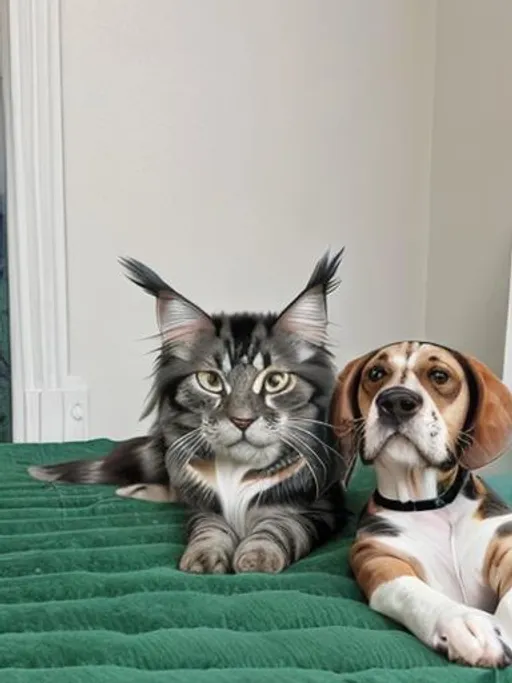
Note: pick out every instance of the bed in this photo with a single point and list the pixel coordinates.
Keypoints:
(90, 593)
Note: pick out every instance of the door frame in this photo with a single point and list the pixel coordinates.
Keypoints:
(49, 403)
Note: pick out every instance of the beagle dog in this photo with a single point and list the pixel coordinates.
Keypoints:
(433, 550)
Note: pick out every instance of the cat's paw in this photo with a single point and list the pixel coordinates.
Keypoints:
(259, 556)
(201, 561)
(472, 637)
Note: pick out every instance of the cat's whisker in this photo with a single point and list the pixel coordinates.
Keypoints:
(186, 443)
(356, 428)
(302, 444)
(325, 446)
(182, 440)
(357, 431)
(310, 420)
(355, 420)
(291, 445)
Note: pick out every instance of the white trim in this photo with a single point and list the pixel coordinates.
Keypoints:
(507, 366)
(48, 403)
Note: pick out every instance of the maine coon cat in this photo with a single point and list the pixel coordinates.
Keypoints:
(241, 433)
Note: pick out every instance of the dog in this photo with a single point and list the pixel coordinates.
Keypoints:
(433, 548)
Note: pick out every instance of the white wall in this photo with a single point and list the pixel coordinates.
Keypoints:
(471, 230)
(507, 362)
(227, 144)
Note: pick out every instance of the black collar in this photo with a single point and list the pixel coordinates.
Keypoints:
(441, 501)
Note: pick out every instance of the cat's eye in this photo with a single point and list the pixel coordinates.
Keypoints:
(210, 381)
(276, 382)
(376, 373)
(438, 376)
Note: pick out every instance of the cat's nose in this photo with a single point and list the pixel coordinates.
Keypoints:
(242, 422)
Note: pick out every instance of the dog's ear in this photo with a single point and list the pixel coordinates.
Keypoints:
(489, 420)
(345, 414)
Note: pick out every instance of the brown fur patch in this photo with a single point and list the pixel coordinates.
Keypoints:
(375, 563)
(446, 479)
(497, 567)
(369, 389)
(204, 470)
(342, 416)
(279, 476)
(452, 397)
(474, 488)
(491, 505)
(382, 357)
(372, 508)
(492, 424)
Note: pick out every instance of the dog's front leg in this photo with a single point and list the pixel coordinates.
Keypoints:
(394, 587)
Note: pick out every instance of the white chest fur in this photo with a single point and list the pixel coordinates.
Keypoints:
(450, 545)
(235, 494)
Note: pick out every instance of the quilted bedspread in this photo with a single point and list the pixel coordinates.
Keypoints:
(90, 593)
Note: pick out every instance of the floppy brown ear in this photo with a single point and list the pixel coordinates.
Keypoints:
(490, 424)
(345, 413)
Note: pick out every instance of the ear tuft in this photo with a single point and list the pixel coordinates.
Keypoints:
(144, 277)
(490, 416)
(179, 320)
(324, 273)
(306, 316)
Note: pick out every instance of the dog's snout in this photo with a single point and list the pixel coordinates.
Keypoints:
(398, 404)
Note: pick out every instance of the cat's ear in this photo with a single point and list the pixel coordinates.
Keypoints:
(179, 320)
(306, 316)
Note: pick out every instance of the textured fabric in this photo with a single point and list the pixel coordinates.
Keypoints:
(90, 593)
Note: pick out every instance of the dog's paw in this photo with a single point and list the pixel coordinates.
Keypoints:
(200, 561)
(472, 637)
(258, 556)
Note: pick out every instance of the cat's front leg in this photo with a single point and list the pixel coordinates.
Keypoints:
(211, 545)
(278, 536)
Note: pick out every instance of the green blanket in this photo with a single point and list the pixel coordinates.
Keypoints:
(90, 593)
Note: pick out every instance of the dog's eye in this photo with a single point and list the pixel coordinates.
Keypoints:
(210, 381)
(438, 376)
(376, 373)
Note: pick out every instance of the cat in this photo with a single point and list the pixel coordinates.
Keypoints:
(241, 434)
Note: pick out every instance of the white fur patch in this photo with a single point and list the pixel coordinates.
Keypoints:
(235, 495)
(468, 634)
(226, 364)
(149, 492)
(258, 361)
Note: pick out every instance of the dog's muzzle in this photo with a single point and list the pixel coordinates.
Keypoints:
(397, 405)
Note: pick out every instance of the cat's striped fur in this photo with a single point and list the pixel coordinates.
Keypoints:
(241, 433)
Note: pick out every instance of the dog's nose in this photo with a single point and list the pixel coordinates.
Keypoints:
(398, 404)
(242, 422)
